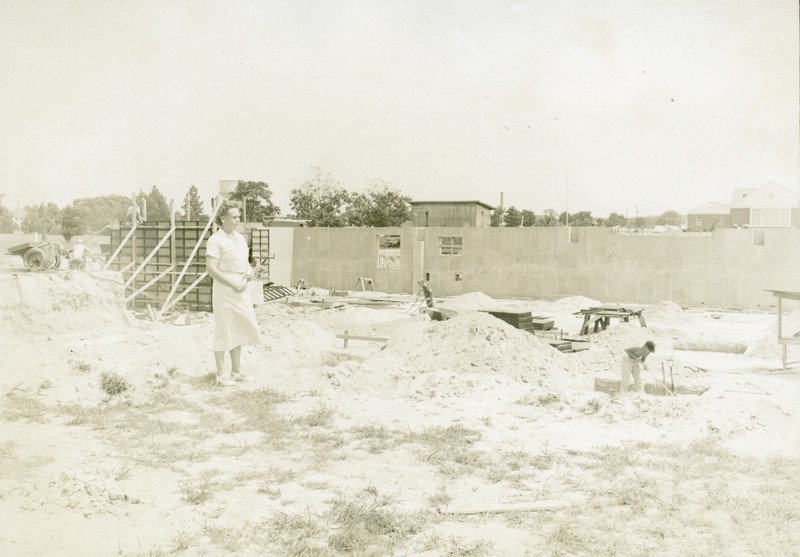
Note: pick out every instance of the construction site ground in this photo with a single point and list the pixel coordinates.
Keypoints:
(461, 437)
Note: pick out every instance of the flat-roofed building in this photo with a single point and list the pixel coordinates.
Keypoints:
(450, 213)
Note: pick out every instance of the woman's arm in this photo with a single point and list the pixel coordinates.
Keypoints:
(212, 268)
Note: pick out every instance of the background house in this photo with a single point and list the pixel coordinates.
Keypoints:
(771, 205)
(709, 216)
(450, 213)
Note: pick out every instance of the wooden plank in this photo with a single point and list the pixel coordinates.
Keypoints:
(359, 337)
(544, 505)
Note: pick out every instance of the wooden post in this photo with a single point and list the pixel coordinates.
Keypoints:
(780, 329)
(172, 246)
(345, 338)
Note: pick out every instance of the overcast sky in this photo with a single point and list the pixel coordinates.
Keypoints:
(612, 105)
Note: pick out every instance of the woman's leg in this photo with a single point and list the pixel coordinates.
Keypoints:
(219, 358)
(236, 360)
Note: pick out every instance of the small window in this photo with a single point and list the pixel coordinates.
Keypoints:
(758, 237)
(451, 245)
(573, 235)
(458, 277)
(699, 221)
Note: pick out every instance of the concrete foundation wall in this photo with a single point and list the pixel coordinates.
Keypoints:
(725, 269)
(281, 247)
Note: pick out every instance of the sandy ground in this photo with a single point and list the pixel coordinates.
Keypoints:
(461, 437)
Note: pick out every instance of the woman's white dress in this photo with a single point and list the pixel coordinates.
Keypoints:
(234, 317)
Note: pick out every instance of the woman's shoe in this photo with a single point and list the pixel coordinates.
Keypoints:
(239, 376)
(225, 381)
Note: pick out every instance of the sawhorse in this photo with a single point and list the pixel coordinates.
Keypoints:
(364, 281)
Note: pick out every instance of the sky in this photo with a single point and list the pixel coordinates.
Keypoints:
(630, 106)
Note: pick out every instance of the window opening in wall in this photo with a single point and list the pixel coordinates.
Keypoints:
(389, 241)
(458, 277)
(427, 276)
(451, 245)
(573, 235)
(699, 221)
(758, 237)
(388, 251)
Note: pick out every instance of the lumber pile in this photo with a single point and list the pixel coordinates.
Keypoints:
(524, 320)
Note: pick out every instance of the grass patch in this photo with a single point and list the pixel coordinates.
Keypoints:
(376, 439)
(197, 493)
(113, 383)
(322, 416)
(299, 536)
(19, 407)
(646, 499)
(257, 408)
(366, 525)
(450, 448)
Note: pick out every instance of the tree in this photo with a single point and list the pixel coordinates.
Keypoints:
(320, 199)
(672, 218)
(548, 218)
(73, 222)
(6, 221)
(380, 206)
(95, 212)
(497, 217)
(616, 219)
(512, 217)
(581, 218)
(193, 206)
(528, 218)
(44, 219)
(563, 218)
(157, 205)
(257, 200)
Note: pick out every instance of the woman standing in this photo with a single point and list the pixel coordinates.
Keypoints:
(234, 318)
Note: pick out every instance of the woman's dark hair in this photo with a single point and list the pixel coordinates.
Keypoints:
(224, 209)
(650, 345)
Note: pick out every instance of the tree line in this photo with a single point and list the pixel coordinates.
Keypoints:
(525, 217)
(320, 200)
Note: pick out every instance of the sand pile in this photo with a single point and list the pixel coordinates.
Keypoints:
(571, 304)
(62, 302)
(666, 312)
(470, 342)
(472, 301)
(291, 342)
(470, 353)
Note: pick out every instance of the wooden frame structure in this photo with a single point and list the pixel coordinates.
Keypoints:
(170, 270)
(784, 340)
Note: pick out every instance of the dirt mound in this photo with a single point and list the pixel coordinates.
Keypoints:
(62, 302)
(571, 304)
(471, 301)
(470, 342)
(665, 311)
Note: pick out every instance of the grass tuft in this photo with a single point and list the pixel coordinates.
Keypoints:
(113, 383)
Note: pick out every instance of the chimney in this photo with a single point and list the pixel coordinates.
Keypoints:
(501, 201)
(226, 188)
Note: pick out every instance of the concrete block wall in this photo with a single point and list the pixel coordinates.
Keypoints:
(337, 257)
(729, 268)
